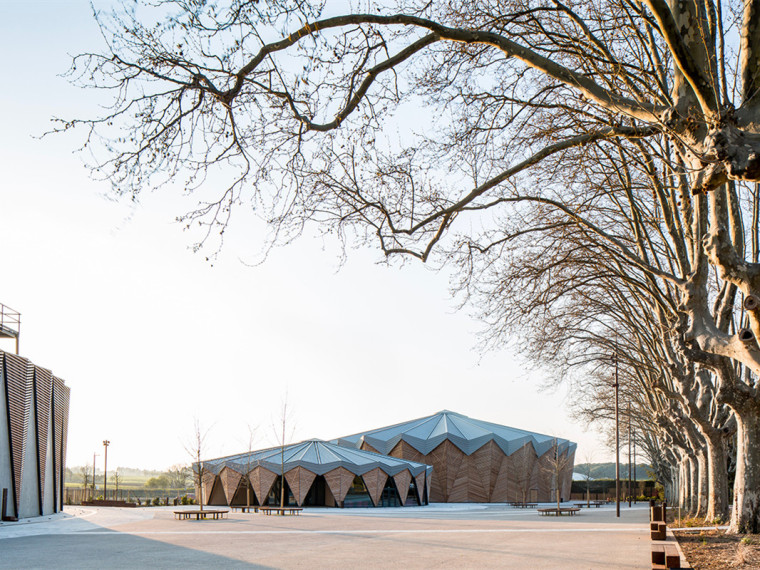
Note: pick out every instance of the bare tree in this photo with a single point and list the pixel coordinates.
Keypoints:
(117, 479)
(557, 468)
(178, 475)
(195, 447)
(588, 467)
(524, 462)
(84, 473)
(633, 146)
(283, 432)
(249, 465)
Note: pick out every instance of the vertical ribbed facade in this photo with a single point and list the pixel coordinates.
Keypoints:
(43, 393)
(35, 406)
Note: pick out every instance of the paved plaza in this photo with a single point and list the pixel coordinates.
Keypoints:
(436, 536)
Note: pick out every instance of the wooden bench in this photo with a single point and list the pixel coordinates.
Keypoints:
(281, 510)
(665, 556)
(521, 505)
(596, 504)
(246, 508)
(187, 515)
(658, 530)
(559, 511)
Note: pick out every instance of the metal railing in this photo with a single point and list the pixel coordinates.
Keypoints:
(10, 323)
(10, 320)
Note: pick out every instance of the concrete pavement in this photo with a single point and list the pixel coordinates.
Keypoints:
(436, 536)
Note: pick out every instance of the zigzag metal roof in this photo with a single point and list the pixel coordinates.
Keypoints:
(318, 457)
(469, 435)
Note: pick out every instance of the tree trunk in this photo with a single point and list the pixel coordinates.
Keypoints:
(745, 517)
(671, 488)
(701, 482)
(684, 479)
(693, 485)
(717, 503)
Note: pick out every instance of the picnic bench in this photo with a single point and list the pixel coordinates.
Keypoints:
(245, 508)
(281, 510)
(522, 505)
(559, 511)
(596, 504)
(187, 515)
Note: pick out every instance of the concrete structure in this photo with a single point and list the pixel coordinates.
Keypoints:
(34, 411)
(476, 461)
(317, 473)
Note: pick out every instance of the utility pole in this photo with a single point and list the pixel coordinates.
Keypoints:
(616, 385)
(633, 437)
(106, 443)
(629, 455)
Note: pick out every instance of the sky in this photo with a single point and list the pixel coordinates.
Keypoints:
(149, 335)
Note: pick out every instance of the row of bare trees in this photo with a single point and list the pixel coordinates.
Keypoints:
(589, 171)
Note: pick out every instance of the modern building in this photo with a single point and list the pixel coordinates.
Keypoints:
(317, 473)
(476, 461)
(34, 412)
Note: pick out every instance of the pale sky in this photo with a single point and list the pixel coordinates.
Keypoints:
(149, 335)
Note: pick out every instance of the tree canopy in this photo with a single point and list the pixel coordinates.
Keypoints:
(590, 169)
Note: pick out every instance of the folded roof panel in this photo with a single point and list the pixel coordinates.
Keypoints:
(468, 434)
(317, 456)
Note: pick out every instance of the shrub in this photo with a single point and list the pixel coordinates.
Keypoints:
(156, 502)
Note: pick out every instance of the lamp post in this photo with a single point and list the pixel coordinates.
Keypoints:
(629, 455)
(633, 437)
(94, 455)
(616, 385)
(106, 443)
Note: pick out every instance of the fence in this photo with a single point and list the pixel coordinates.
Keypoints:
(75, 495)
(604, 489)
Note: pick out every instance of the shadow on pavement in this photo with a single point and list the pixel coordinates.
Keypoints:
(117, 550)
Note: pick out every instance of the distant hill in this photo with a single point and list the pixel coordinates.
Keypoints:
(607, 470)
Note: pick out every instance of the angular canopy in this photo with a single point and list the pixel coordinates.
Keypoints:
(469, 435)
(317, 456)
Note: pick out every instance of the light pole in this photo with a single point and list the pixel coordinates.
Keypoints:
(94, 455)
(635, 486)
(616, 385)
(106, 443)
(629, 455)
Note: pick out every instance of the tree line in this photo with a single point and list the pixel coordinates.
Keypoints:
(176, 477)
(588, 171)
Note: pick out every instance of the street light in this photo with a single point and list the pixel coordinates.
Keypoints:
(629, 455)
(106, 443)
(633, 437)
(616, 385)
(94, 455)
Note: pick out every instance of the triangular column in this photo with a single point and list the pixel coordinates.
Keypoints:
(402, 480)
(375, 482)
(300, 480)
(230, 481)
(339, 480)
(262, 481)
